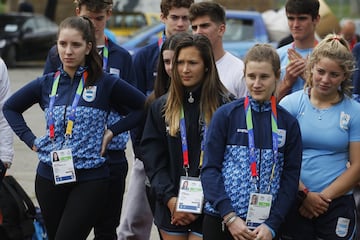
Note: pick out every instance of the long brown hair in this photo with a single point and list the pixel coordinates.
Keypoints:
(93, 60)
(212, 89)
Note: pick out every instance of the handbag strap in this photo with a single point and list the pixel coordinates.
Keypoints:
(24, 201)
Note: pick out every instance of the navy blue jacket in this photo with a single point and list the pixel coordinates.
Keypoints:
(145, 65)
(119, 64)
(162, 153)
(90, 119)
(226, 175)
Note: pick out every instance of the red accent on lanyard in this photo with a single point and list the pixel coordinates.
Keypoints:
(273, 105)
(246, 103)
(186, 158)
(52, 131)
(253, 169)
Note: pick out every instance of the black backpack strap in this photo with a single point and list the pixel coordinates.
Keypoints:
(24, 202)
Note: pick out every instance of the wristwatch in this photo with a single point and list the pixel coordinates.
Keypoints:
(302, 194)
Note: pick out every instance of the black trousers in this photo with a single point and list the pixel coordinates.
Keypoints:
(105, 228)
(337, 223)
(70, 210)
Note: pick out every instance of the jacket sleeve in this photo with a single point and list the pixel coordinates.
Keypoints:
(6, 134)
(18, 103)
(126, 96)
(290, 176)
(140, 70)
(211, 175)
(154, 148)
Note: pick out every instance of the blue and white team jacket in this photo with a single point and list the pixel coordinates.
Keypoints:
(90, 119)
(119, 64)
(226, 175)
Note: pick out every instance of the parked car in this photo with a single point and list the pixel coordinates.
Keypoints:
(243, 30)
(143, 37)
(123, 24)
(25, 36)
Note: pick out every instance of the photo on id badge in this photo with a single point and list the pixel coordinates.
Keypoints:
(63, 166)
(191, 197)
(55, 157)
(258, 209)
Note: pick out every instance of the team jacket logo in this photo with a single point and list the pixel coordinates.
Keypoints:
(344, 121)
(89, 93)
(281, 137)
(342, 227)
(115, 71)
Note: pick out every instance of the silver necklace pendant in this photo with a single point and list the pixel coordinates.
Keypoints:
(191, 99)
(321, 112)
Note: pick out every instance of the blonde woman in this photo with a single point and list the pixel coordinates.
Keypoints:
(330, 127)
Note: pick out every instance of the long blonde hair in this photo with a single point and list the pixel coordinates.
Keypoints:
(212, 88)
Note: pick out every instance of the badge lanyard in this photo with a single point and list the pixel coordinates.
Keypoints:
(250, 128)
(105, 54)
(184, 144)
(75, 102)
(161, 40)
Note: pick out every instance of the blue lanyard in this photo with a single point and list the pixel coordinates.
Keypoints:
(71, 117)
(161, 40)
(250, 128)
(184, 144)
(105, 54)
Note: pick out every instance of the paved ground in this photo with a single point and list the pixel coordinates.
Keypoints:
(25, 161)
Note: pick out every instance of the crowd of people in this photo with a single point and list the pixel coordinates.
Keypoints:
(263, 148)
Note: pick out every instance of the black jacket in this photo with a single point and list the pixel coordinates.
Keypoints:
(162, 153)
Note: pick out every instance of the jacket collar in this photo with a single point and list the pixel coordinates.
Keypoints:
(259, 107)
(79, 72)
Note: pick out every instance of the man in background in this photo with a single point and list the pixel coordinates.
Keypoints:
(303, 17)
(348, 31)
(208, 19)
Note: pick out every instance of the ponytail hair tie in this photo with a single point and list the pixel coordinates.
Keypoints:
(336, 37)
